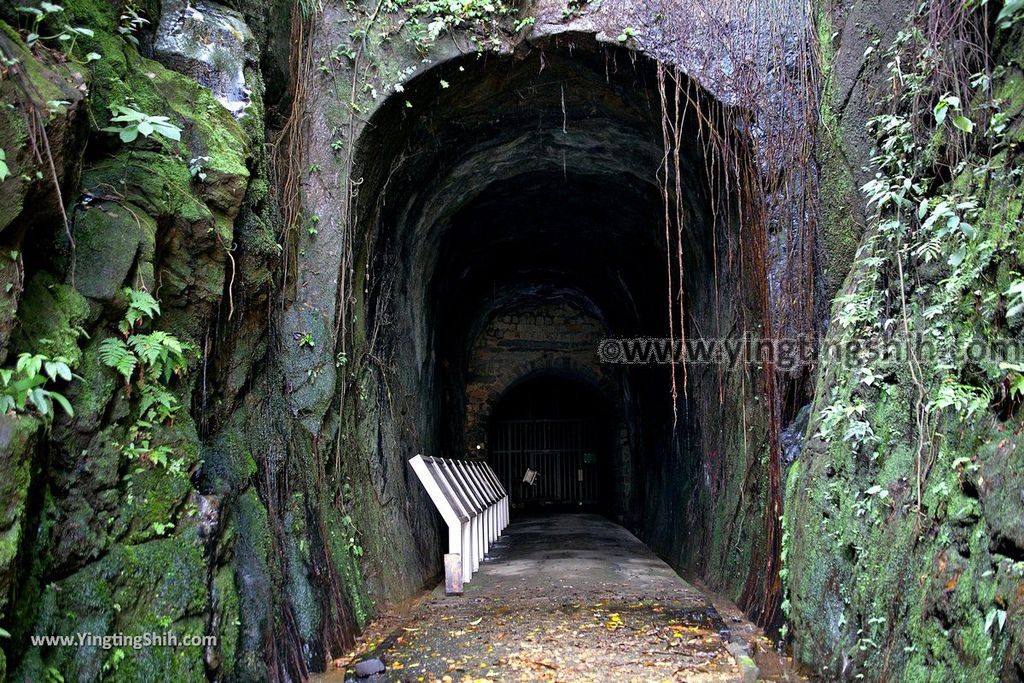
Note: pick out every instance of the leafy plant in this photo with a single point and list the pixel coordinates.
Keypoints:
(135, 123)
(66, 34)
(131, 22)
(4, 170)
(1016, 295)
(196, 167)
(964, 398)
(148, 362)
(448, 14)
(1010, 13)
(23, 388)
(951, 104)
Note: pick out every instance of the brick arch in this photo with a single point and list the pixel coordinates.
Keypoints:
(546, 338)
(606, 386)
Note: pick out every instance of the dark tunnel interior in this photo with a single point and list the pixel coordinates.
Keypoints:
(514, 221)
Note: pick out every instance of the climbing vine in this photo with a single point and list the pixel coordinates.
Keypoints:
(762, 191)
(922, 369)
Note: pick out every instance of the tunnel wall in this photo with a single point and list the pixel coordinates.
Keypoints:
(394, 417)
(554, 339)
(518, 342)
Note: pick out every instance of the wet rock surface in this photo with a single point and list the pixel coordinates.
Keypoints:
(569, 597)
(211, 44)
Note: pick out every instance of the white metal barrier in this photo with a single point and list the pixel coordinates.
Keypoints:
(473, 504)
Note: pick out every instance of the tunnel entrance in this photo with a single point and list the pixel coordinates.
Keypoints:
(549, 444)
(518, 211)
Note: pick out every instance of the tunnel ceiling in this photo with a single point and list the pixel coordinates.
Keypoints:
(514, 179)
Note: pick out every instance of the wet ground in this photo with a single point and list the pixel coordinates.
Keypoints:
(568, 597)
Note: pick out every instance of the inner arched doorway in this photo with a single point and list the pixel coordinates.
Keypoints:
(551, 440)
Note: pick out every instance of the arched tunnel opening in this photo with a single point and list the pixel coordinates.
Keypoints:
(514, 215)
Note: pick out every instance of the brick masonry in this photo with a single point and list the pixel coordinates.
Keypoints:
(553, 338)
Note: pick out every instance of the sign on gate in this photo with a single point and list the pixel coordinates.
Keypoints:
(472, 503)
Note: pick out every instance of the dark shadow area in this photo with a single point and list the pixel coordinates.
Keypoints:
(551, 443)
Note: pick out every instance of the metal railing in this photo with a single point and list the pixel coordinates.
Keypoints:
(473, 504)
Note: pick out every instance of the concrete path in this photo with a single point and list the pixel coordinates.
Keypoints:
(569, 597)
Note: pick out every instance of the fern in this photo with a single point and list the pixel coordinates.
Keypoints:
(157, 404)
(115, 353)
(161, 352)
(141, 307)
(157, 356)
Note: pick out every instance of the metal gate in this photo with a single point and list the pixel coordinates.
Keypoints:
(561, 451)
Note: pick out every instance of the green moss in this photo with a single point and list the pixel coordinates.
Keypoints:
(17, 450)
(42, 83)
(155, 184)
(226, 605)
(158, 494)
(343, 542)
(51, 318)
(156, 587)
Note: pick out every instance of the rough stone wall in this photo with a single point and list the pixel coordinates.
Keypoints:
(394, 394)
(557, 339)
(99, 541)
(901, 562)
(290, 499)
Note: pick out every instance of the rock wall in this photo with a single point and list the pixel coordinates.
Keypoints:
(519, 343)
(106, 530)
(900, 559)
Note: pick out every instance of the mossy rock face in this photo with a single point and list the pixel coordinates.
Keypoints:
(151, 588)
(883, 581)
(19, 437)
(109, 241)
(54, 316)
(31, 180)
(209, 43)
(255, 584)
(1001, 492)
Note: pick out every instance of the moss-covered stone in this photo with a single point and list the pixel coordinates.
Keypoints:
(152, 588)
(903, 554)
(18, 441)
(112, 241)
(30, 87)
(53, 320)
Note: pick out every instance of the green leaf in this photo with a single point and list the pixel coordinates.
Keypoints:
(141, 303)
(168, 131)
(129, 134)
(63, 403)
(963, 123)
(114, 353)
(957, 257)
(40, 400)
(1008, 16)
